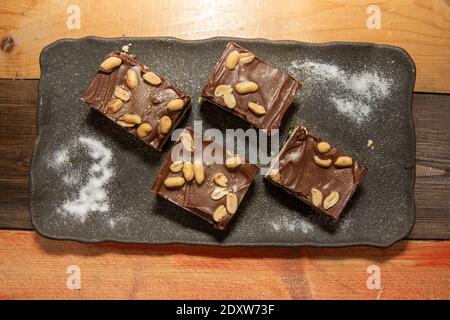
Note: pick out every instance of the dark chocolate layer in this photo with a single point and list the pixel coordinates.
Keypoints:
(276, 91)
(195, 197)
(298, 172)
(147, 100)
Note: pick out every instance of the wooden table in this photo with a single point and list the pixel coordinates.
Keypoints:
(35, 267)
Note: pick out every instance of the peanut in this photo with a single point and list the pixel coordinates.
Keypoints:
(230, 100)
(176, 166)
(131, 118)
(331, 200)
(220, 179)
(245, 87)
(175, 105)
(187, 141)
(114, 105)
(132, 78)
(219, 193)
(144, 130)
(125, 124)
(188, 171)
(324, 163)
(233, 162)
(165, 124)
(246, 57)
(323, 147)
(152, 78)
(174, 182)
(232, 60)
(316, 196)
(110, 63)
(199, 173)
(343, 162)
(122, 94)
(232, 203)
(223, 89)
(219, 213)
(256, 108)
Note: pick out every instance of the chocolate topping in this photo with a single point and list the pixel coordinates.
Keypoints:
(148, 101)
(195, 197)
(299, 173)
(276, 89)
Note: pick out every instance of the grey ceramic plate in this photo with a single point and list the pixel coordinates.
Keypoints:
(352, 92)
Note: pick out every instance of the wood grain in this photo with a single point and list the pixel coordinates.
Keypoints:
(18, 99)
(409, 270)
(421, 27)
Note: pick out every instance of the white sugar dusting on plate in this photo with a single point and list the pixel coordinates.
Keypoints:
(353, 94)
(92, 195)
(285, 224)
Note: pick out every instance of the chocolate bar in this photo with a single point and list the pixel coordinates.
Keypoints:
(212, 190)
(137, 98)
(316, 173)
(250, 88)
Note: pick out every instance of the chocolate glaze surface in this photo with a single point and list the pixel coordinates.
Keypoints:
(197, 198)
(276, 89)
(148, 101)
(299, 173)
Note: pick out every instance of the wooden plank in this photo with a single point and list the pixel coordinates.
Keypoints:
(18, 99)
(421, 27)
(409, 270)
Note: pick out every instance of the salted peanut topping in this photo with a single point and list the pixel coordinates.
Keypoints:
(187, 141)
(131, 118)
(125, 124)
(256, 108)
(176, 166)
(246, 57)
(232, 60)
(132, 78)
(199, 173)
(114, 105)
(165, 124)
(323, 147)
(220, 213)
(143, 130)
(122, 94)
(188, 171)
(232, 203)
(245, 87)
(331, 200)
(218, 193)
(174, 182)
(316, 196)
(111, 63)
(220, 179)
(229, 100)
(343, 162)
(233, 162)
(175, 105)
(152, 78)
(324, 163)
(223, 89)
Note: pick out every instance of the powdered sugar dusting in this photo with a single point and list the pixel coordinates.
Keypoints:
(91, 195)
(355, 94)
(291, 225)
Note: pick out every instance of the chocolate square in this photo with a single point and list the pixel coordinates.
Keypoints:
(308, 165)
(241, 69)
(210, 196)
(136, 98)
